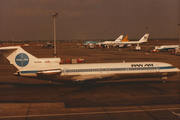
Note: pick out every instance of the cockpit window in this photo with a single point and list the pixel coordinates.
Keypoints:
(172, 66)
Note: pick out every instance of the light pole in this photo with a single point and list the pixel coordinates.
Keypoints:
(12, 39)
(84, 37)
(54, 15)
(147, 29)
(94, 36)
(147, 40)
(105, 35)
(179, 34)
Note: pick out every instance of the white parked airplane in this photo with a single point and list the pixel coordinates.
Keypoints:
(142, 40)
(166, 47)
(111, 43)
(49, 68)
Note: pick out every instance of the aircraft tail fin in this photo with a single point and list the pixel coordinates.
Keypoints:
(125, 39)
(144, 38)
(119, 38)
(23, 60)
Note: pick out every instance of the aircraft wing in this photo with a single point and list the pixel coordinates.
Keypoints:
(92, 77)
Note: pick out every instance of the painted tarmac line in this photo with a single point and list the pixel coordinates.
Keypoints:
(87, 113)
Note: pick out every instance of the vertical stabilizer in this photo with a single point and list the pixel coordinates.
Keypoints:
(125, 39)
(144, 38)
(23, 60)
(119, 38)
(17, 56)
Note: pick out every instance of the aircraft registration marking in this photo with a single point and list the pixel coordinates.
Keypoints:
(40, 61)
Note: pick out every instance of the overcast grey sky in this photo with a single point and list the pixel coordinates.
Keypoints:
(31, 19)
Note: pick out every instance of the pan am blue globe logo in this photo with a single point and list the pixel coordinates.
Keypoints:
(22, 59)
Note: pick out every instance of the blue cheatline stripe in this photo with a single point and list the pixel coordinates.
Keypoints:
(168, 67)
(104, 69)
(28, 72)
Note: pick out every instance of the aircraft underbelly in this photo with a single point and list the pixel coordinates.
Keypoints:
(144, 75)
(128, 75)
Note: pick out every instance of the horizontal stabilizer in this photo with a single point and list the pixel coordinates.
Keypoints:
(8, 48)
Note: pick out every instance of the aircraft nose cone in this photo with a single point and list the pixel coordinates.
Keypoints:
(178, 71)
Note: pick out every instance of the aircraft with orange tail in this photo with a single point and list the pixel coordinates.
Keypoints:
(129, 43)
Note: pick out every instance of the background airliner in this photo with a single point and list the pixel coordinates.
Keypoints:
(49, 68)
(166, 47)
(129, 43)
(111, 43)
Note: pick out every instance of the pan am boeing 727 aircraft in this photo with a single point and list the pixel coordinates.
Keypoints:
(49, 68)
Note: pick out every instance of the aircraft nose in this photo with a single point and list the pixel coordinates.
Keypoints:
(178, 71)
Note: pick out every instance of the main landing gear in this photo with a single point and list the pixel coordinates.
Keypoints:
(164, 78)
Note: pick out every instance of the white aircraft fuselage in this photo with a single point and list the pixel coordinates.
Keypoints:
(98, 71)
(166, 47)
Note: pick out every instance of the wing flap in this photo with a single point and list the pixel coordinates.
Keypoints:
(92, 77)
